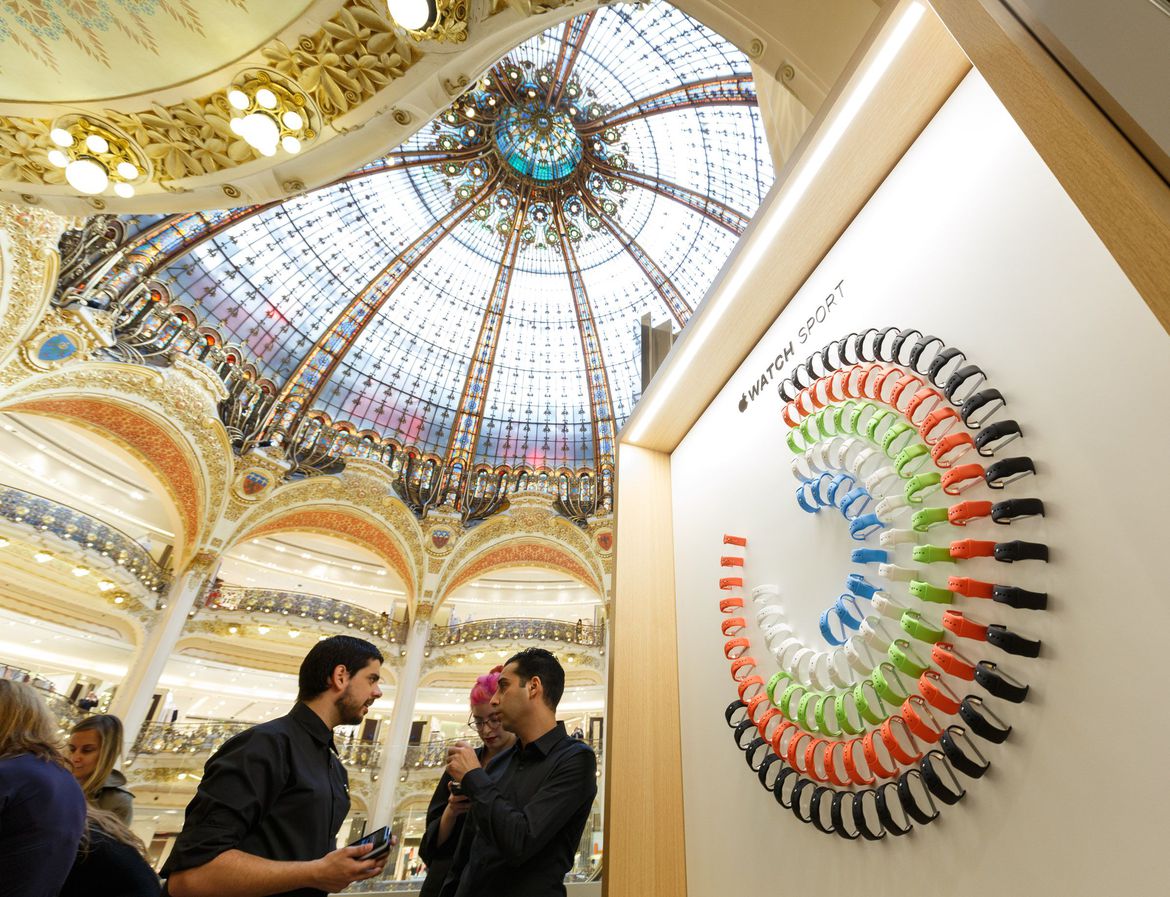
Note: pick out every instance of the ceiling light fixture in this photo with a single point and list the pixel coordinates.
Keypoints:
(4, 543)
(43, 557)
(788, 197)
(105, 585)
(413, 15)
(270, 113)
(80, 571)
(95, 154)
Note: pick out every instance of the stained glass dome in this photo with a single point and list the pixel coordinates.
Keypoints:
(476, 292)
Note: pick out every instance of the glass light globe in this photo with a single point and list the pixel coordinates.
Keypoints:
(58, 158)
(86, 176)
(260, 131)
(80, 571)
(291, 145)
(95, 143)
(61, 137)
(127, 171)
(124, 190)
(414, 15)
(292, 121)
(238, 98)
(266, 98)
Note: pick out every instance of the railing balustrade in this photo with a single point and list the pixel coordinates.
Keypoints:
(518, 629)
(44, 515)
(433, 754)
(309, 607)
(207, 737)
(65, 711)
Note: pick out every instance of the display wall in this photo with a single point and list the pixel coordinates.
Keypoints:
(971, 240)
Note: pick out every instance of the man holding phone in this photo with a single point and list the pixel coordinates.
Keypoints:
(264, 821)
(527, 815)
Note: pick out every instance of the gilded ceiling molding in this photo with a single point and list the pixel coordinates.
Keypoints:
(365, 488)
(165, 419)
(357, 56)
(28, 269)
(68, 610)
(341, 520)
(540, 538)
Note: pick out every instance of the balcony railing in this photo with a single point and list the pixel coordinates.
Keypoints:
(308, 607)
(433, 754)
(207, 737)
(65, 711)
(518, 629)
(47, 516)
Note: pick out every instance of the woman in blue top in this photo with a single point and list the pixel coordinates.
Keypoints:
(42, 809)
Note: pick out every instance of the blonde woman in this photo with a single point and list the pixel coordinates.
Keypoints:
(95, 744)
(42, 811)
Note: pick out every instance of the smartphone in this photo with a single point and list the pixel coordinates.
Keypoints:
(381, 839)
(455, 787)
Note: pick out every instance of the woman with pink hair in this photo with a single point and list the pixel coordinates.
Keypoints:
(448, 805)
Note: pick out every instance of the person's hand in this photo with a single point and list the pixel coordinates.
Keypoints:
(461, 760)
(336, 871)
(458, 804)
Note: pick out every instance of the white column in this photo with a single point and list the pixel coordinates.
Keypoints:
(132, 700)
(394, 752)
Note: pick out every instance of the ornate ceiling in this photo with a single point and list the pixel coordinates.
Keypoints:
(87, 50)
(476, 292)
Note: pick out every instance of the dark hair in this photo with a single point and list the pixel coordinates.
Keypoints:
(543, 664)
(325, 656)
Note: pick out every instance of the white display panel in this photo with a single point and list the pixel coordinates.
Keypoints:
(972, 239)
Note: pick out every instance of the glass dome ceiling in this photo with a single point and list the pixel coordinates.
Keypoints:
(476, 293)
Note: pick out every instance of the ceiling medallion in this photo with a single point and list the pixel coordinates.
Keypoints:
(529, 136)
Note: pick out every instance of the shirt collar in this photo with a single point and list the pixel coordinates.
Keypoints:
(312, 724)
(546, 742)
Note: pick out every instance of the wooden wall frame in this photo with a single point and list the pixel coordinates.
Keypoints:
(1125, 202)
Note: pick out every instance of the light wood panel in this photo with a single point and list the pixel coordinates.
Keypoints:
(918, 82)
(1119, 193)
(644, 842)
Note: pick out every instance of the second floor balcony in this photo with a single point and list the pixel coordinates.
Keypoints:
(297, 605)
(518, 629)
(40, 515)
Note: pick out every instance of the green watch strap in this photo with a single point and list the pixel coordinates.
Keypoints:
(903, 656)
(785, 704)
(823, 719)
(874, 715)
(920, 483)
(875, 423)
(907, 456)
(932, 554)
(924, 591)
(918, 628)
(770, 688)
(923, 520)
(858, 413)
(793, 445)
(883, 686)
(843, 721)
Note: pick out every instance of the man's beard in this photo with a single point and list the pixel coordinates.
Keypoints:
(349, 708)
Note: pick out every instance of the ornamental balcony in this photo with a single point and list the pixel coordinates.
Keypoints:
(301, 606)
(64, 711)
(517, 630)
(163, 742)
(431, 758)
(41, 516)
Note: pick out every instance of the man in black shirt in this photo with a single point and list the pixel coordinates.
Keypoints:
(265, 818)
(526, 818)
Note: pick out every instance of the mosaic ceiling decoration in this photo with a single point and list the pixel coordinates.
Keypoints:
(476, 293)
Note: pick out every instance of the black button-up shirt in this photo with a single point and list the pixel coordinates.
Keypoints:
(526, 819)
(276, 791)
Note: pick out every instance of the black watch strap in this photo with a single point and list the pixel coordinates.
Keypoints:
(1013, 596)
(1012, 509)
(1006, 640)
(999, 683)
(1017, 550)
